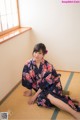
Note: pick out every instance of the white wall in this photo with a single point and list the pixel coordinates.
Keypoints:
(13, 55)
(58, 26)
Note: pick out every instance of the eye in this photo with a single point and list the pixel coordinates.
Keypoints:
(35, 52)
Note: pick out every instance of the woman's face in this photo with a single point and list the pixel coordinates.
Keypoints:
(38, 56)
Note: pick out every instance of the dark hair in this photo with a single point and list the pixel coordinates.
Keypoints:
(40, 46)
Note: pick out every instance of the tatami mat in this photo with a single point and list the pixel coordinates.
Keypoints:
(18, 108)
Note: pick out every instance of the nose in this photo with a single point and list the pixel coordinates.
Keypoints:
(37, 54)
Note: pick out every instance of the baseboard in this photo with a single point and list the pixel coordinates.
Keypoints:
(67, 71)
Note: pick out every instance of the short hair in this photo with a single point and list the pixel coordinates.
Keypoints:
(40, 46)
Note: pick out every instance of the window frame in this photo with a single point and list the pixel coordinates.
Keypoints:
(13, 28)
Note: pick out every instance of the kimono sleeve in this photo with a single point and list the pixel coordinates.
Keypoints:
(26, 79)
(54, 72)
(48, 77)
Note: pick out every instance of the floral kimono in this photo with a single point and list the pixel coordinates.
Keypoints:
(46, 78)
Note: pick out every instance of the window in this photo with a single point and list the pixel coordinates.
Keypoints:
(9, 18)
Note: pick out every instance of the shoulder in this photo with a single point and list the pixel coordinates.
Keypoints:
(28, 63)
(47, 63)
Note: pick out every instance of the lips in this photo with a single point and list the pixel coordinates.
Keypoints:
(37, 57)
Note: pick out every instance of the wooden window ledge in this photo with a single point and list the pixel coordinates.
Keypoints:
(14, 33)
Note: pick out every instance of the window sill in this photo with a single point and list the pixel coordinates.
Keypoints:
(14, 33)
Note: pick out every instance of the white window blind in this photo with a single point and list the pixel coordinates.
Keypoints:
(8, 14)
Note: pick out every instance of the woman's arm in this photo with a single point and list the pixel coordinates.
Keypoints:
(33, 98)
(26, 78)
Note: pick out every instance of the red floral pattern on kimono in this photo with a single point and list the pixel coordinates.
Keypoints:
(46, 78)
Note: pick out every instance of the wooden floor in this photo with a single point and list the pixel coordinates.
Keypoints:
(17, 107)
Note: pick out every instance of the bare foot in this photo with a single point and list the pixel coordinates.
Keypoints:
(28, 93)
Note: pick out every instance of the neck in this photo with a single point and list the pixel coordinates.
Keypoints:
(37, 61)
(38, 64)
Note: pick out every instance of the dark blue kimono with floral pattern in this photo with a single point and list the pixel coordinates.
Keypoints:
(46, 78)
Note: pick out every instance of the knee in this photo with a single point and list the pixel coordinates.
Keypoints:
(49, 96)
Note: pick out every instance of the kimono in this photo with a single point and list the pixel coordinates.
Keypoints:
(46, 78)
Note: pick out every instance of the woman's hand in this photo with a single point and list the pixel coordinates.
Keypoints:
(32, 100)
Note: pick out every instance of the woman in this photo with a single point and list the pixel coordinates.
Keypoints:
(40, 75)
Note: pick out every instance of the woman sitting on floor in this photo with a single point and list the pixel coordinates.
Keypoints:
(40, 75)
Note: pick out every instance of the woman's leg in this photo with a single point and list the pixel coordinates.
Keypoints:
(62, 105)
